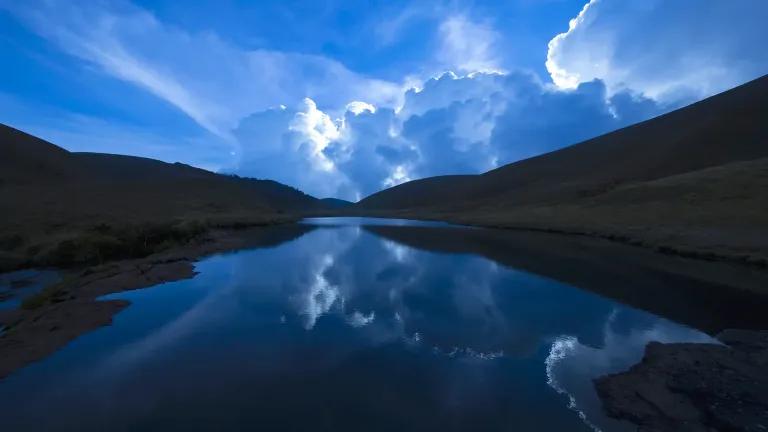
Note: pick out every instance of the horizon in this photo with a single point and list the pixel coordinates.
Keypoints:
(423, 90)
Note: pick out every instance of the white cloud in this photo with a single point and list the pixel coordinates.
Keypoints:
(667, 50)
(560, 76)
(453, 125)
(288, 145)
(348, 157)
(467, 46)
(358, 107)
(318, 130)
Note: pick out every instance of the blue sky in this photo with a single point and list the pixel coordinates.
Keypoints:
(343, 98)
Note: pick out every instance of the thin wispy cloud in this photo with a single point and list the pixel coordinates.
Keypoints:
(468, 46)
(212, 81)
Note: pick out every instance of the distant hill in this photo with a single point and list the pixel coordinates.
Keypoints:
(335, 203)
(47, 192)
(694, 178)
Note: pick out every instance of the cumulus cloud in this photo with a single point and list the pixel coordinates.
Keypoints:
(287, 145)
(452, 125)
(666, 50)
(356, 154)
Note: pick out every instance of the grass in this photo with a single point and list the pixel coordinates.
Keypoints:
(105, 242)
(72, 244)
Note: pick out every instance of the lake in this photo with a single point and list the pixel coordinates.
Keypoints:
(347, 324)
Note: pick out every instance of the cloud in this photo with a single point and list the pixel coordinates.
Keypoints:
(465, 125)
(348, 157)
(560, 76)
(211, 80)
(287, 145)
(87, 133)
(342, 134)
(371, 152)
(467, 46)
(309, 121)
(539, 119)
(452, 125)
(664, 50)
(389, 30)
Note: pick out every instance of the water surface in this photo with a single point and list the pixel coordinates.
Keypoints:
(354, 325)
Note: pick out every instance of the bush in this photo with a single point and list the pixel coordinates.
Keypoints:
(103, 242)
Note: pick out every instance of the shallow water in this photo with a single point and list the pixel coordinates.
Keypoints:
(343, 327)
(18, 285)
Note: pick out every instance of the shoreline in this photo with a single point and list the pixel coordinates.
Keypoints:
(694, 387)
(61, 312)
(627, 237)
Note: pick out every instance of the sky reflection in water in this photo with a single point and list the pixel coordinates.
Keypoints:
(340, 329)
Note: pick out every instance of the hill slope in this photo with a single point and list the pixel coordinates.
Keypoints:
(49, 195)
(693, 180)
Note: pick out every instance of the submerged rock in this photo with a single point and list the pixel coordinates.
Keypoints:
(686, 387)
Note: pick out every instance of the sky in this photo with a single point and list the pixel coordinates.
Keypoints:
(344, 98)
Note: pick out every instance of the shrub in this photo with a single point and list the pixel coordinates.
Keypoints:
(103, 242)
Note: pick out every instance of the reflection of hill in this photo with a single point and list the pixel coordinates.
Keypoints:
(708, 296)
(274, 235)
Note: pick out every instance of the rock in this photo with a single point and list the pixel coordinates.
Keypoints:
(694, 387)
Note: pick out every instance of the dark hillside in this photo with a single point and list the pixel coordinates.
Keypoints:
(49, 196)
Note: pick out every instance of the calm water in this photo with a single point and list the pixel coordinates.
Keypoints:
(337, 326)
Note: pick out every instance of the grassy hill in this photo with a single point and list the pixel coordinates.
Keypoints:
(59, 207)
(693, 181)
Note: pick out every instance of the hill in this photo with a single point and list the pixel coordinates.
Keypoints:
(693, 181)
(335, 203)
(92, 204)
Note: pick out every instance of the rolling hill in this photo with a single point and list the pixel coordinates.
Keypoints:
(50, 196)
(693, 181)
